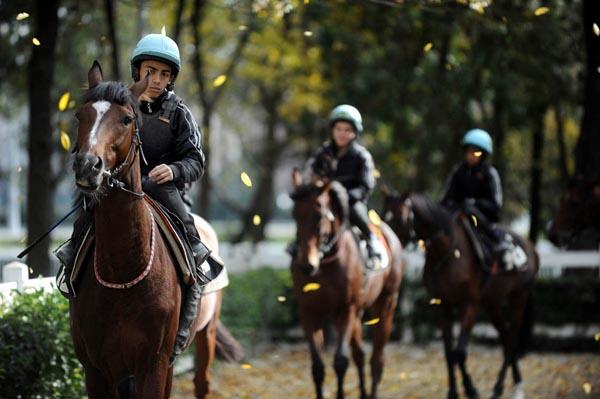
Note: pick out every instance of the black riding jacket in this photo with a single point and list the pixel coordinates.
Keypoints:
(480, 183)
(171, 136)
(353, 169)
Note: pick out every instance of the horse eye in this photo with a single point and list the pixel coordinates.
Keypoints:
(76, 115)
(127, 120)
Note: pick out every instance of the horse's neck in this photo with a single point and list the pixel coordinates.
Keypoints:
(123, 230)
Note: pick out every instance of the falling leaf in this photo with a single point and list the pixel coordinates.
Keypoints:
(19, 169)
(587, 388)
(478, 153)
(281, 299)
(246, 179)
(474, 220)
(435, 301)
(219, 80)
(246, 366)
(242, 27)
(372, 321)
(376, 173)
(597, 337)
(308, 33)
(428, 47)
(374, 217)
(64, 101)
(478, 8)
(35, 41)
(22, 15)
(306, 1)
(311, 287)
(256, 220)
(163, 31)
(541, 11)
(596, 29)
(457, 253)
(65, 141)
(31, 270)
(71, 104)
(421, 244)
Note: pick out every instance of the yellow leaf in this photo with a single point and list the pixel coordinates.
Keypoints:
(163, 31)
(306, 1)
(35, 41)
(22, 15)
(474, 220)
(242, 27)
(376, 173)
(64, 101)
(65, 141)
(541, 11)
(308, 33)
(478, 153)
(246, 366)
(71, 104)
(587, 388)
(597, 337)
(372, 321)
(219, 80)
(457, 253)
(311, 287)
(428, 47)
(596, 29)
(435, 301)
(374, 217)
(256, 220)
(281, 299)
(246, 179)
(421, 244)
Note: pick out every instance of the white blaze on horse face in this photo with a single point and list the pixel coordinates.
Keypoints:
(101, 108)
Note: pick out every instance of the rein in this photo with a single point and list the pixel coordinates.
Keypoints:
(325, 248)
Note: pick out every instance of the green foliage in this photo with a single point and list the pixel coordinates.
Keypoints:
(37, 359)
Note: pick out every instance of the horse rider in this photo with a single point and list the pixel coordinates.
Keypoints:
(343, 159)
(474, 187)
(172, 145)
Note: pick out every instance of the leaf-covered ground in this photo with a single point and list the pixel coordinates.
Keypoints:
(411, 372)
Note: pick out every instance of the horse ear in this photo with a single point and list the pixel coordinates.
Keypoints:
(385, 190)
(94, 75)
(139, 87)
(296, 178)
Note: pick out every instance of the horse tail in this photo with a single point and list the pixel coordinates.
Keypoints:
(228, 348)
(525, 333)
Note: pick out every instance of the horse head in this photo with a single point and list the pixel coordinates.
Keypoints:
(399, 215)
(321, 212)
(578, 212)
(107, 132)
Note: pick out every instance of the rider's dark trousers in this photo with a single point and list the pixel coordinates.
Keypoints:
(359, 217)
(493, 234)
(169, 196)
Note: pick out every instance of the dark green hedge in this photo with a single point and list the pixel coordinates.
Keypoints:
(37, 359)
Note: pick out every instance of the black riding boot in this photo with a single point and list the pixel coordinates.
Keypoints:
(68, 250)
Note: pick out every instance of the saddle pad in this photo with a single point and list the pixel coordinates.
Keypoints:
(381, 246)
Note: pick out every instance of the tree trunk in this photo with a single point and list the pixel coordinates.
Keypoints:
(562, 145)
(537, 145)
(40, 189)
(587, 153)
(177, 26)
(109, 7)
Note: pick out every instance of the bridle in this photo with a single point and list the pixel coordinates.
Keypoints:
(328, 242)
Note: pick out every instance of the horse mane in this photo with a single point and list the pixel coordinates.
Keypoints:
(431, 212)
(116, 92)
(339, 196)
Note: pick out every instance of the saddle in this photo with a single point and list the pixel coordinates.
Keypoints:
(173, 234)
(381, 246)
(513, 259)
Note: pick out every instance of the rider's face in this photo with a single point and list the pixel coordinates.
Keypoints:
(473, 155)
(343, 133)
(160, 76)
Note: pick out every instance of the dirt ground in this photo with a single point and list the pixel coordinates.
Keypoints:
(411, 372)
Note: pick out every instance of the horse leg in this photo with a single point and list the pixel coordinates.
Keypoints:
(460, 354)
(517, 305)
(384, 309)
(97, 386)
(498, 322)
(446, 324)
(152, 382)
(358, 354)
(314, 336)
(169, 384)
(205, 353)
(345, 326)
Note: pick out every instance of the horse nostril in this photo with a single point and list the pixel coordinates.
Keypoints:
(98, 164)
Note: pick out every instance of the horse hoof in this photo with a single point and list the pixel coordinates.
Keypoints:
(519, 393)
(452, 395)
(471, 392)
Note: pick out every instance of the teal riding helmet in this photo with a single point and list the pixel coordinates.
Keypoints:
(156, 47)
(347, 113)
(479, 138)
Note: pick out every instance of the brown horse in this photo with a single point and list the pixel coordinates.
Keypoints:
(126, 314)
(577, 222)
(329, 284)
(452, 274)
